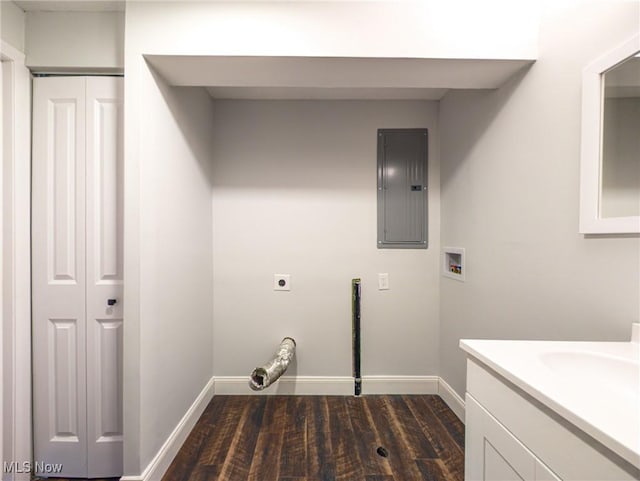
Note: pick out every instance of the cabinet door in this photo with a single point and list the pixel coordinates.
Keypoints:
(543, 473)
(492, 452)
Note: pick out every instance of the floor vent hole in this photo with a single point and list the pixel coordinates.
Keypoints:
(382, 452)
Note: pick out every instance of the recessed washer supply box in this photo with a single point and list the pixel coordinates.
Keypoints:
(453, 263)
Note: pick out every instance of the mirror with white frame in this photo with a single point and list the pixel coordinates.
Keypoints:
(610, 158)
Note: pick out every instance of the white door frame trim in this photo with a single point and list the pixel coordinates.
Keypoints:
(16, 255)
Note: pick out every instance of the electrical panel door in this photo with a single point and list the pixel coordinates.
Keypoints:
(402, 188)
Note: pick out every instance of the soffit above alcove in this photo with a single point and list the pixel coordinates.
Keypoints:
(279, 77)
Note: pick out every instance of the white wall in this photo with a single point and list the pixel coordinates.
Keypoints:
(12, 24)
(75, 41)
(429, 29)
(295, 193)
(168, 337)
(510, 171)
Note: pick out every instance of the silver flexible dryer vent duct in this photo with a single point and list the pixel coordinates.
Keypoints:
(264, 376)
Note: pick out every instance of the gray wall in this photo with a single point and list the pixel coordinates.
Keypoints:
(295, 193)
(510, 170)
(65, 41)
(169, 310)
(12, 24)
(75, 41)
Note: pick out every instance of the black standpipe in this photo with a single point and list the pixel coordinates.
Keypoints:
(355, 326)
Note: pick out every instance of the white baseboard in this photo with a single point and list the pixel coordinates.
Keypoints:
(298, 385)
(400, 385)
(163, 458)
(453, 400)
(331, 385)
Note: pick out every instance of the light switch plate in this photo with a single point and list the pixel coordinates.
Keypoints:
(383, 281)
(281, 282)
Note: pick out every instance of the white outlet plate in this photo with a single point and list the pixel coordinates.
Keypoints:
(281, 282)
(383, 281)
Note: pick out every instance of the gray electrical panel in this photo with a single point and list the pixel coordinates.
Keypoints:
(402, 188)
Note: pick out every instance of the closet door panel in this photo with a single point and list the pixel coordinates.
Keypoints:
(58, 274)
(104, 275)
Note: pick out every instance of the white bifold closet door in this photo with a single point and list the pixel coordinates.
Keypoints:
(77, 275)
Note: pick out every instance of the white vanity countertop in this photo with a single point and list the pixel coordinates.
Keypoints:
(594, 385)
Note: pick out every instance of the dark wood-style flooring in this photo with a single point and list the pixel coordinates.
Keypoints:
(323, 438)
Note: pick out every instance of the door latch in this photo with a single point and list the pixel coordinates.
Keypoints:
(111, 302)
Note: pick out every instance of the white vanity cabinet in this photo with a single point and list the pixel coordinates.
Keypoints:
(493, 453)
(510, 435)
